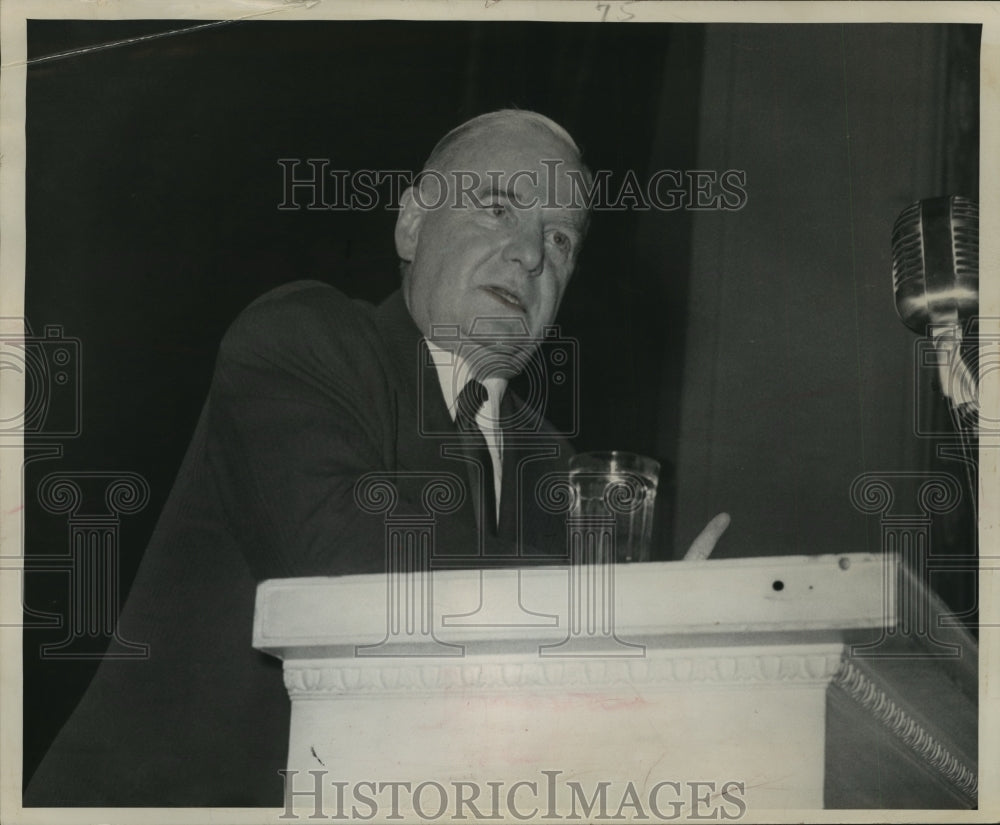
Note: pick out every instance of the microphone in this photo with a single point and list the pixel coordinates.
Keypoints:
(935, 276)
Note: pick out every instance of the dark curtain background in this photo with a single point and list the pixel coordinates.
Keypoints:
(152, 192)
(799, 376)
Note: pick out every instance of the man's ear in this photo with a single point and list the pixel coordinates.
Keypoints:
(408, 222)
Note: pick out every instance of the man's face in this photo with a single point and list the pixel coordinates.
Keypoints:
(498, 255)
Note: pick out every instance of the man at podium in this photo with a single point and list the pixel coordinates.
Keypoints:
(311, 392)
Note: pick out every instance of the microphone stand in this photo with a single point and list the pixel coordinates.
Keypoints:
(960, 386)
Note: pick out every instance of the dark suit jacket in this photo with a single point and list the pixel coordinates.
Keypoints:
(310, 392)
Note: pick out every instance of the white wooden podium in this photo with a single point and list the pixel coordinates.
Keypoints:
(711, 687)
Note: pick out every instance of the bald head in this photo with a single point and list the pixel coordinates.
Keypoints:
(448, 151)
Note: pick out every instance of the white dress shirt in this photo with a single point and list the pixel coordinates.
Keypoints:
(453, 374)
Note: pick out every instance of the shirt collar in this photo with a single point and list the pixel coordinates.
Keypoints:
(454, 373)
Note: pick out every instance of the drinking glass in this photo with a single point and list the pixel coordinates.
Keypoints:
(620, 486)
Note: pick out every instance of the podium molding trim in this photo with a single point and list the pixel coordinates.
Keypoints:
(878, 705)
(664, 669)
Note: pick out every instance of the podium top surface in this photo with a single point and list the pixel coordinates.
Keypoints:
(843, 597)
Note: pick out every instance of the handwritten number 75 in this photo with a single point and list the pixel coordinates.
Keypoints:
(621, 13)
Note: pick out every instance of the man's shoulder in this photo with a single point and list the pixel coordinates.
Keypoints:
(304, 302)
(303, 315)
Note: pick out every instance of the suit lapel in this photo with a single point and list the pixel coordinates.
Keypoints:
(423, 425)
(507, 526)
(526, 459)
